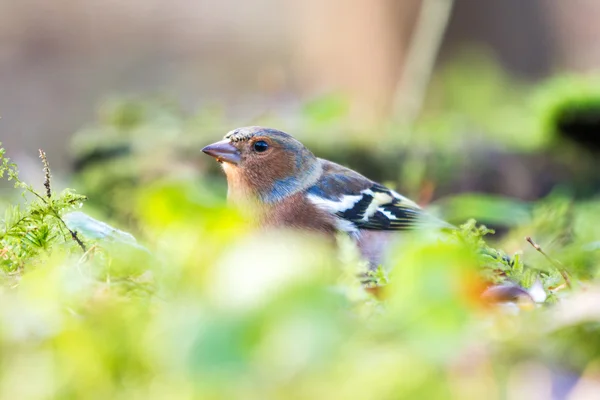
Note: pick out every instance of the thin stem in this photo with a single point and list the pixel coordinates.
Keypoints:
(46, 173)
(557, 264)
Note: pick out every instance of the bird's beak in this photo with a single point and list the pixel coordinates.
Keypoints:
(223, 151)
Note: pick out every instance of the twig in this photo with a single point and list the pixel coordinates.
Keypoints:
(76, 238)
(46, 173)
(420, 58)
(557, 264)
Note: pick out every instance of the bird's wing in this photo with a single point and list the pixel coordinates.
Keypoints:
(360, 203)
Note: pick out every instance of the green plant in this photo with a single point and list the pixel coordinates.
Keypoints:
(34, 228)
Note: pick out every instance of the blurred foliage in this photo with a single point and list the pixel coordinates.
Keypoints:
(475, 96)
(213, 309)
(203, 306)
(569, 108)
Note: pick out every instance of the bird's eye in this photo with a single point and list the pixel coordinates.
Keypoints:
(260, 146)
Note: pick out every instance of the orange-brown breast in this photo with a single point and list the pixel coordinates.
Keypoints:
(298, 212)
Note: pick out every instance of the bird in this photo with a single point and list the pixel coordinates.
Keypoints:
(289, 187)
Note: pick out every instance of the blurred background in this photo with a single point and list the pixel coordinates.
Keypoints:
(61, 62)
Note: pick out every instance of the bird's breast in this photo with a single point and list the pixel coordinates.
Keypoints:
(298, 213)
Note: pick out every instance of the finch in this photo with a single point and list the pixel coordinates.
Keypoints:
(292, 188)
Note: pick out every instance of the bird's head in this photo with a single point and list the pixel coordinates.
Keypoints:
(264, 163)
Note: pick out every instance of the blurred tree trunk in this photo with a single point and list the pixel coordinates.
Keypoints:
(355, 47)
(576, 31)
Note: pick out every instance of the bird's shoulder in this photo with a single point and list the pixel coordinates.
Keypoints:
(336, 180)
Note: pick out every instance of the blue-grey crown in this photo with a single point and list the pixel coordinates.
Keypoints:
(241, 134)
